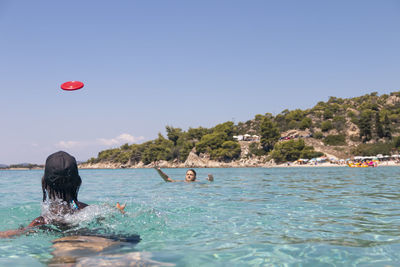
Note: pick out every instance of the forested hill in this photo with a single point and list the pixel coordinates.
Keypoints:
(365, 125)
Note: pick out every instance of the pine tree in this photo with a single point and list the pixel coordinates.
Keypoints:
(378, 126)
(387, 132)
(364, 124)
(269, 134)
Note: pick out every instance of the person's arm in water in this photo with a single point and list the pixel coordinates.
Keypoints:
(41, 221)
(120, 207)
(10, 233)
(163, 175)
(36, 222)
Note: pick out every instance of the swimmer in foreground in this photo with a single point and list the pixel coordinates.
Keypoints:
(60, 186)
(189, 177)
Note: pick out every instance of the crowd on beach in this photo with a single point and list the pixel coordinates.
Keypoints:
(357, 161)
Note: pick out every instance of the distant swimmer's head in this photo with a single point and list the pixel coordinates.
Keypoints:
(61, 179)
(190, 175)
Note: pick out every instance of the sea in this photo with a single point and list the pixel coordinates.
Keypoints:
(319, 216)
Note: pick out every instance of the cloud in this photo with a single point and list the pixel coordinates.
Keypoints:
(119, 140)
(116, 141)
(69, 144)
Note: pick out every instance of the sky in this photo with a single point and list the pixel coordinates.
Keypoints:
(149, 64)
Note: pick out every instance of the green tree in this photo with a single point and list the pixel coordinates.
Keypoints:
(351, 114)
(153, 153)
(335, 140)
(387, 132)
(258, 117)
(328, 114)
(184, 151)
(125, 146)
(159, 149)
(326, 126)
(227, 128)
(378, 126)
(292, 150)
(318, 135)
(123, 157)
(372, 149)
(195, 134)
(339, 123)
(137, 151)
(256, 149)
(295, 115)
(336, 100)
(364, 124)
(228, 151)
(305, 123)
(284, 151)
(173, 134)
(108, 155)
(308, 153)
(292, 124)
(396, 142)
(269, 134)
(210, 142)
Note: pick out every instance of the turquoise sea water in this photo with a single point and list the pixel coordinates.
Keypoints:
(247, 217)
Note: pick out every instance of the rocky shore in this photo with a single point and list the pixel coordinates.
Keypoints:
(164, 164)
(192, 161)
(195, 161)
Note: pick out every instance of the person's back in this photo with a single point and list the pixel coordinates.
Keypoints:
(60, 187)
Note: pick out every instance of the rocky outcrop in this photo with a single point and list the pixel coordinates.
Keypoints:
(392, 100)
(194, 161)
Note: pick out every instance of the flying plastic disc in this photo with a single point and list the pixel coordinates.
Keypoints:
(72, 85)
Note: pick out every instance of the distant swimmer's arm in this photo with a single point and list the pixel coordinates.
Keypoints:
(210, 178)
(10, 233)
(163, 175)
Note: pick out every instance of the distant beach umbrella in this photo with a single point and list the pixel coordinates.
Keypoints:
(72, 85)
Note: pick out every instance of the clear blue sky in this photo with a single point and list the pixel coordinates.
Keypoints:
(148, 64)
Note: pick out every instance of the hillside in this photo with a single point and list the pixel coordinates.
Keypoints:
(364, 125)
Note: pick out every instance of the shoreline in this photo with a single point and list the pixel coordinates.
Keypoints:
(214, 164)
(108, 166)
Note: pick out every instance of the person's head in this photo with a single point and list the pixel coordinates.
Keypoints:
(190, 175)
(61, 179)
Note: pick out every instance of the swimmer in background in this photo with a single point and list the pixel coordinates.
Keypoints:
(60, 186)
(189, 177)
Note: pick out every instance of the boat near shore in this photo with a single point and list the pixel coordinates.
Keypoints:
(365, 164)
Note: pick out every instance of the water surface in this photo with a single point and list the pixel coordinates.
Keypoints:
(247, 217)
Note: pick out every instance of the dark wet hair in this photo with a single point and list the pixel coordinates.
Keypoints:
(61, 178)
(192, 171)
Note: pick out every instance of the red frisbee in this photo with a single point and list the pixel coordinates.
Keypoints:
(72, 85)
